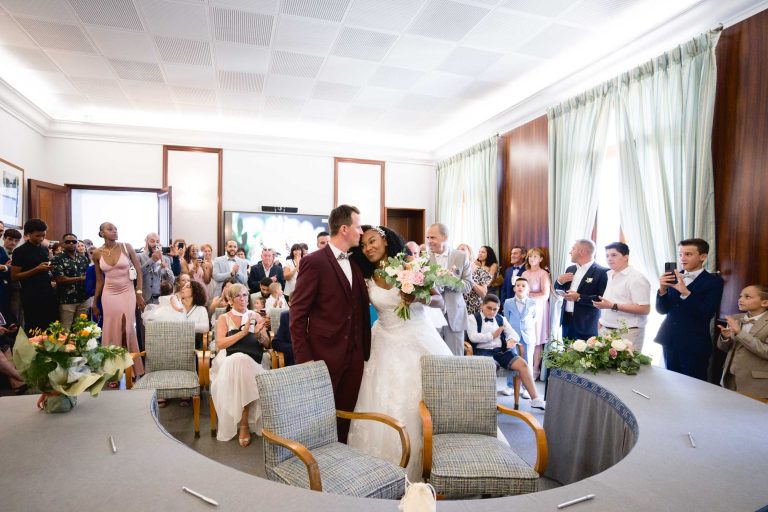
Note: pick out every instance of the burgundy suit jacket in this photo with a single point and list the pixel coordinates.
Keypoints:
(328, 318)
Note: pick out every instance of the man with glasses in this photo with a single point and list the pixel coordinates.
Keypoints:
(68, 269)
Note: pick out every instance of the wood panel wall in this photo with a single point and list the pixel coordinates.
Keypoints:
(740, 156)
(523, 197)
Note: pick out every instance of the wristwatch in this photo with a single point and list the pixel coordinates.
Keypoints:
(615, 307)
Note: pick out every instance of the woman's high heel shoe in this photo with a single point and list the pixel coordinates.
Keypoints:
(244, 441)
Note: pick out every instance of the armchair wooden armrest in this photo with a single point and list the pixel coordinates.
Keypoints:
(542, 451)
(468, 351)
(298, 449)
(405, 440)
(277, 359)
(426, 426)
(129, 370)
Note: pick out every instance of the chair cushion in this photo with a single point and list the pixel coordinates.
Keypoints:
(170, 383)
(170, 346)
(471, 464)
(344, 470)
(460, 393)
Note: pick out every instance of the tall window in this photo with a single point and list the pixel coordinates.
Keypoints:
(135, 213)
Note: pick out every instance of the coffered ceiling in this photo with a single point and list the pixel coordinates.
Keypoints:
(406, 73)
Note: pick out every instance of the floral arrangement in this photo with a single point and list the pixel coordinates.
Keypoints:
(415, 276)
(597, 353)
(63, 364)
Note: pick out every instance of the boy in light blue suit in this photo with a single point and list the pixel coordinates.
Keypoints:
(520, 312)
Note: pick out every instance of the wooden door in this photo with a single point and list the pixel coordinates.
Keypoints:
(407, 222)
(164, 215)
(51, 203)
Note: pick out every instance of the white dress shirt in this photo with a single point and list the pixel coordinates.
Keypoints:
(442, 258)
(484, 339)
(346, 267)
(689, 277)
(577, 277)
(626, 287)
(746, 327)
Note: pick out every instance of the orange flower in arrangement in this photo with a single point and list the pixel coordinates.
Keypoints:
(83, 316)
(85, 332)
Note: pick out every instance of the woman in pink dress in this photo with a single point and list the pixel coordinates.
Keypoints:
(118, 296)
(539, 284)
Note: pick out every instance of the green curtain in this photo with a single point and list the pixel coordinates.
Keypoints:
(664, 121)
(467, 195)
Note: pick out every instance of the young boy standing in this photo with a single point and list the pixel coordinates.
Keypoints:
(488, 332)
(520, 312)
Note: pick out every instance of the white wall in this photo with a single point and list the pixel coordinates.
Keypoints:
(411, 186)
(22, 146)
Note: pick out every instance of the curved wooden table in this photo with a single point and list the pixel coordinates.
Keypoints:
(64, 462)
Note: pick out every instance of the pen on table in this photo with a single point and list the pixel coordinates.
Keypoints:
(204, 498)
(690, 438)
(577, 500)
(641, 394)
(112, 443)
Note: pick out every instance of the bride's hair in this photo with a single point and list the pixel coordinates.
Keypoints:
(395, 245)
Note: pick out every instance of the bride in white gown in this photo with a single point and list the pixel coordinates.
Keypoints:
(392, 375)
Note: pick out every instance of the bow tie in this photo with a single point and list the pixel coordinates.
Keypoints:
(342, 256)
(490, 319)
(746, 320)
(520, 301)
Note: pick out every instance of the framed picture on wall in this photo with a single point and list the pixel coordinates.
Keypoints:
(11, 194)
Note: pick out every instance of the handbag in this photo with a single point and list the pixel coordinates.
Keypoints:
(132, 274)
(498, 280)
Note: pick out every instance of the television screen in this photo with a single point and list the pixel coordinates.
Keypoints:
(279, 231)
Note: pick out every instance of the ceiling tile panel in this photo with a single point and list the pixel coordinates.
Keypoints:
(57, 35)
(420, 102)
(242, 26)
(392, 15)
(194, 95)
(240, 100)
(52, 9)
(418, 53)
(304, 35)
(288, 87)
(76, 64)
(379, 97)
(323, 110)
(365, 115)
(359, 43)
(549, 8)
(396, 78)
(211, 111)
(553, 40)
(31, 58)
(239, 57)
(334, 92)
(147, 91)
(468, 61)
(54, 82)
(156, 107)
(175, 19)
(330, 10)
(279, 106)
(97, 88)
(444, 19)
(110, 13)
(295, 64)
(135, 70)
(124, 45)
(347, 71)
(240, 81)
(265, 6)
(504, 31)
(510, 67)
(442, 84)
(190, 76)
(593, 13)
(477, 89)
(184, 51)
(11, 34)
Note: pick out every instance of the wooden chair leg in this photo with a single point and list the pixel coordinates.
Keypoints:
(516, 383)
(196, 410)
(212, 409)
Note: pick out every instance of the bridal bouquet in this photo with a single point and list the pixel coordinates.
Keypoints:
(597, 353)
(415, 276)
(63, 364)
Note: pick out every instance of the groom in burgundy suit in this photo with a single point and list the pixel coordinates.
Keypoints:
(330, 319)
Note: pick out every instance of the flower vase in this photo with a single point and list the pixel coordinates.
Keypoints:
(52, 402)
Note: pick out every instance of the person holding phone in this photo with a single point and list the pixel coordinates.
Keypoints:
(627, 297)
(32, 268)
(690, 301)
(155, 268)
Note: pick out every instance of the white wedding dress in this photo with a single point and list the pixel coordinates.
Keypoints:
(392, 379)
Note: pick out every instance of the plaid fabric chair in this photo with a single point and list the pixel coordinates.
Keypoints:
(170, 363)
(462, 455)
(300, 439)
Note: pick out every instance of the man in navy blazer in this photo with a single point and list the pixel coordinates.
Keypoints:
(689, 300)
(583, 282)
(515, 270)
(265, 268)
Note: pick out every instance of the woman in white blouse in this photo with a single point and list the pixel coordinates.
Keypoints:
(291, 268)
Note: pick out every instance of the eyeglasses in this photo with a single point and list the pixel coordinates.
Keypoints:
(69, 241)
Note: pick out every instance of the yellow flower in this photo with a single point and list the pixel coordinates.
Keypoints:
(83, 316)
(84, 332)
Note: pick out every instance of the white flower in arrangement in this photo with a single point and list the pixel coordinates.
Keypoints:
(391, 271)
(91, 344)
(619, 345)
(599, 344)
(587, 364)
(579, 345)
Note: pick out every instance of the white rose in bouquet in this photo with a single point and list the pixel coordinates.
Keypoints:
(619, 345)
(579, 345)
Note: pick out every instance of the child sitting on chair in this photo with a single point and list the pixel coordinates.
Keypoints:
(276, 299)
(488, 332)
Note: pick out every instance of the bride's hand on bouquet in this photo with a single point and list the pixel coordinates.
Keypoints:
(408, 298)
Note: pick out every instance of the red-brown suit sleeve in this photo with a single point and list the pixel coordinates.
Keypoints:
(302, 301)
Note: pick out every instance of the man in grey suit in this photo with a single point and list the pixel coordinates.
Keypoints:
(228, 266)
(455, 310)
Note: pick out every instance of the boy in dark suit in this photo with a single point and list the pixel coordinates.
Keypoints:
(583, 282)
(689, 300)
